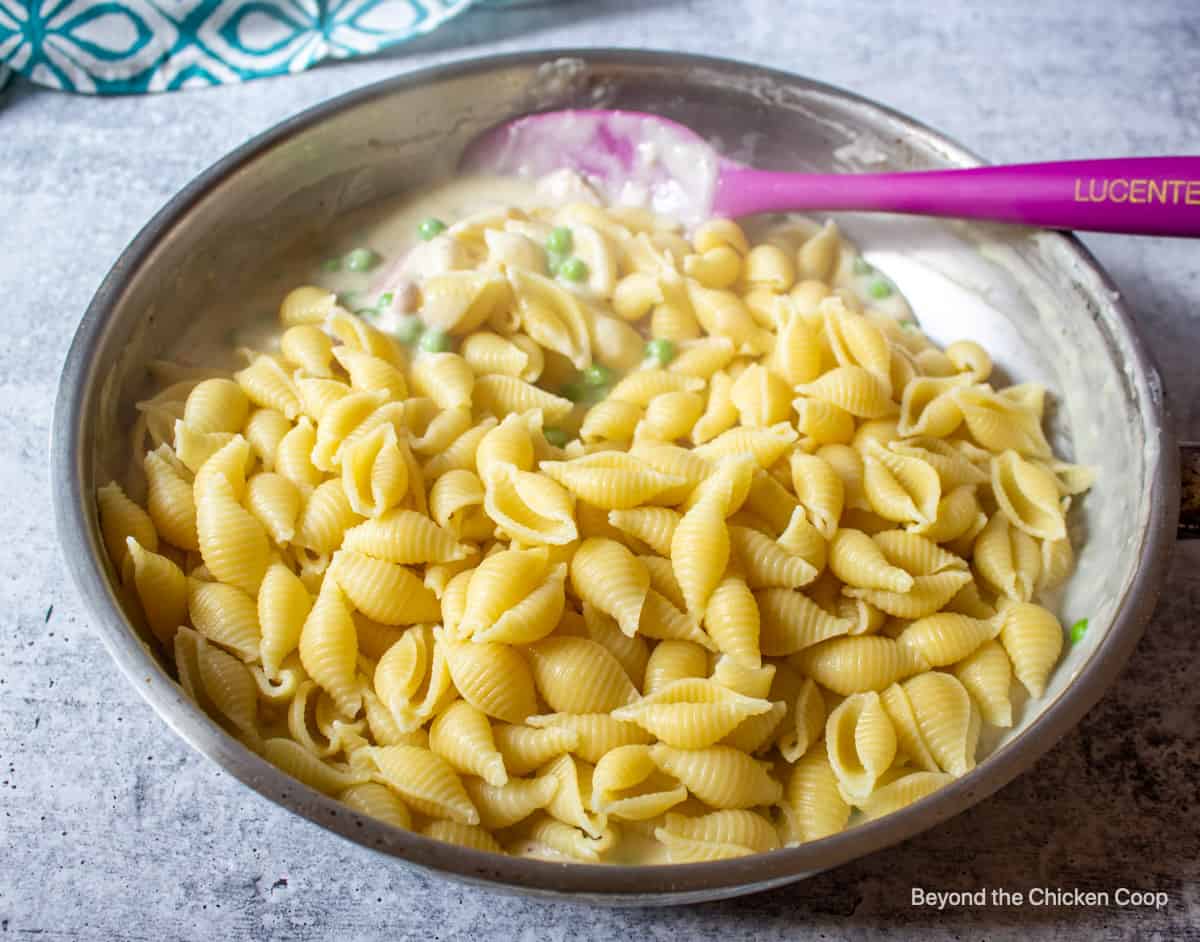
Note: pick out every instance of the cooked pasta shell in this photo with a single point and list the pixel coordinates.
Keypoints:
(1028, 496)
(900, 487)
(267, 384)
(987, 674)
(121, 518)
(654, 526)
(720, 776)
(610, 421)
(534, 616)
(567, 842)
(662, 620)
(461, 735)
(1033, 638)
(326, 516)
(374, 473)
(767, 444)
(501, 806)
(275, 501)
(1058, 559)
(691, 713)
(307, 304)
(426, 782)
(700, 551)
(722, 835)
(631, 652)
(498, 584)
(301, 764)
(611, 480)
(232, 542)
(849, 665)
(527, 748)
(675, 461)
(404, 537)
(283, 607)
(671, 661)
(606, 575)
(902, 792)
(492, 677)
(577, 675)
(383, 591)
(627, 784)
(858, 561)
(329, 648)
(813, 805)
(641, 387)
(487, 352)
(766, 563)
(460, 301)
(916, 554)
(597, 734)
(1001, 424)
(853, 389)
(225, 615)
(357, 334)
(378, 801)
(948, 720)
(732, 621)
(573, 797)
(338, 421)
(162, 589)
(720, 414)
(530, 507)
(293, 457)
(317, 395)
(947, 637)
(791, 622)
(502, 395)
(807, 715)
(551, 316)
(861, 742)
(927, 595)
(169, 500)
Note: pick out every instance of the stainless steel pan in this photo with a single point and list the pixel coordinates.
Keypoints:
(1037, 299)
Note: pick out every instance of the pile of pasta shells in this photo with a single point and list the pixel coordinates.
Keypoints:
(774, 583)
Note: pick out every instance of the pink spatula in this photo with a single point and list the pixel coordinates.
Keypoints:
(634, 157)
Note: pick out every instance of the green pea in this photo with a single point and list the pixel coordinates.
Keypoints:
(1078, 630)
(434, 341)
(332, 264)
(409, 329)
(597, 375)
(862, 266)
(361, 260)
(572, 391)
(880, 289)
(430, 227)
(573, 269)
(555, 436)
(559, 241)
(554, 261)
(386, 299)
(662, 350)
(367, 312)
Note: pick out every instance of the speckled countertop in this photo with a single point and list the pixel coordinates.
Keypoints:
(111, 828)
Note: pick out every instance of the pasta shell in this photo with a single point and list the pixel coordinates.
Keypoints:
(858, 664)
(225, 615)
(948, 721)
(856, 559)
(374, 473)
(1028, 496)
(577, 675)
(987, 674)
(121, 518)
(169, 501)
(492, 677)
(162, 589)
(301, 764)
(597, 734)
(807, 722)
(530, 507)
(283, 608)
(900, 488)
(999, 424)
(425, 781)
(461, 735)
(902, 792)
(732, 621)
(861, 743)
(611, 480)
(791, 622)
(606, 575)
(766, 563)
(501, 806)
(692, 713)
(329, 648)
(627, 784)
(671, 661)
(573, 797)
(1033, 639)
(813, 803)
(275, 502)
(502, 395)
(853, 389)
(460, 301)
(404, 537)
(946, 637)
(383, 591)
(379, 802)
(700, 551)
(551, 316)
(719, 775)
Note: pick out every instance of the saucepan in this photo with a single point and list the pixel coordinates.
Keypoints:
(1036, 299)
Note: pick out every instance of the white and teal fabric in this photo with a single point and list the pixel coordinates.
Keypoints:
(116, 47)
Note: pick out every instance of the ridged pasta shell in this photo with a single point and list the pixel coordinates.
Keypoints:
(719, 775)
(606, 575)
(461, 735)
(1033, 638)
(791, 622)
(492, 677)
(850, 665)
(692, 713)
(577, 675)
(383, 591)
(425, 781)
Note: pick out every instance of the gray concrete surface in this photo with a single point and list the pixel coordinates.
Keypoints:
(110, 828)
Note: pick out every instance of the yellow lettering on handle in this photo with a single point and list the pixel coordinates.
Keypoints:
(1158, 191)
(1137, 191)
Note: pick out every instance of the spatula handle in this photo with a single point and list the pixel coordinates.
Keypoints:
(1136, 195)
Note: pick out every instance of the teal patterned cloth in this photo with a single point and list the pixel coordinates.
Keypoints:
(120, 47)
